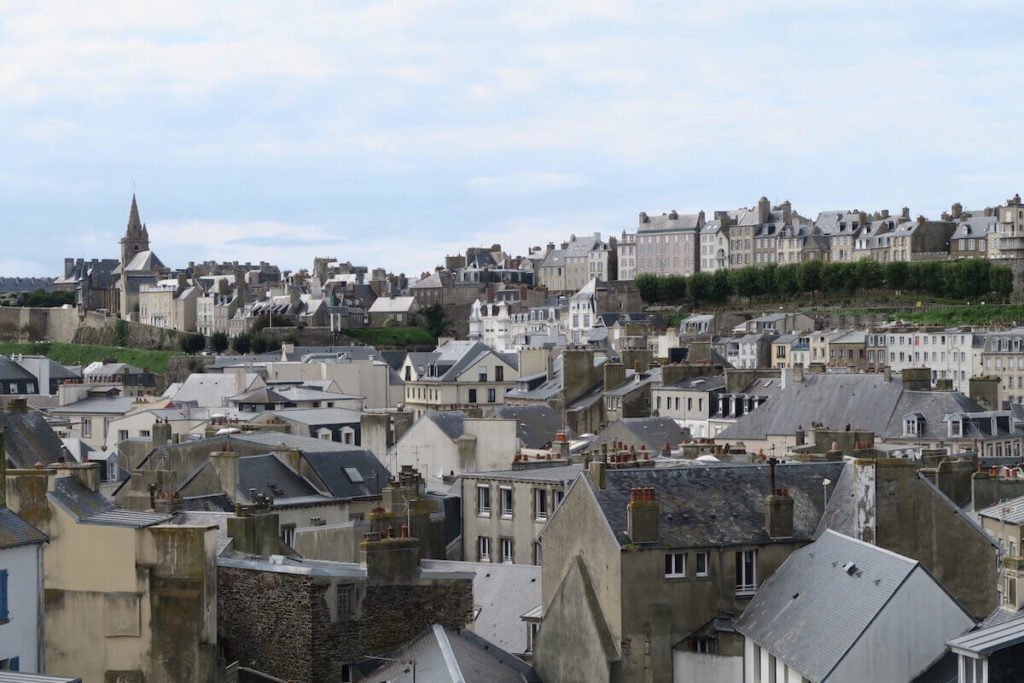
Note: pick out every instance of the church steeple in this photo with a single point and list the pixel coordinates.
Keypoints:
(136, 237)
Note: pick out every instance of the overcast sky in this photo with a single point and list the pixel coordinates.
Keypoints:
(392, 133)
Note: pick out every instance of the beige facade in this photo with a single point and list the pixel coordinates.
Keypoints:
(127, 598)
(669, 244)
(168, 304)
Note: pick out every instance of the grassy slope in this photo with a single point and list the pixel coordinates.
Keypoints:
(82, 354)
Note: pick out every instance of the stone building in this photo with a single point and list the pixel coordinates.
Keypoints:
(668, 244)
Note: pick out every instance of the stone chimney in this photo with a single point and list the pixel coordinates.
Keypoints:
(254, 530)
(643, 516)
(917, 379)
(985, 392)
(787, 212)
(225, 464)
(778, 514)
(614, 375)
(87, 473)
(161, 432)
(763, 210)
(391, 558)
(956, 211)
(905, 214)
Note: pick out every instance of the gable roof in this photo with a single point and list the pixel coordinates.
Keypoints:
(716, 505)
(449, 422)
(15, 531)
(537, 425)
(335, 470)
(655, 432)
(10, 371)
(89, 507)
(460, 657)
(29, 439)
(812, 610)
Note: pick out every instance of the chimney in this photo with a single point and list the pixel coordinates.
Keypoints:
(598, 468)
(917, 379)
(905, 214)
(391, 558)
(763, 210)
(161, 432)
(798, 373)
(87, 473)
(985, 392)
(778, 508)
(564, 447)
(643, 516)
(614, 375)
(225, 464)
(255, 531)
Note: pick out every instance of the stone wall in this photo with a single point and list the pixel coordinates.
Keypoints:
(282, 624)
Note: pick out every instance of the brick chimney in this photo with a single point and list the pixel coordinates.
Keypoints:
(643, 516)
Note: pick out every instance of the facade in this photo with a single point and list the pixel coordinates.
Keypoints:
(626, 253)
(714, 244)
(458, 374)
(669, 244)
(444, 444)
(586, 258)
(170, 304)
(21, 593)
(504, 511)
(952, 353)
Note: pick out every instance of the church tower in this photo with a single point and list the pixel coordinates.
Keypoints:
(136, 237)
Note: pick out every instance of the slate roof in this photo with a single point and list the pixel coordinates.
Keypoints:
(990, 639)
(211, 390)
(89, 507)
(15, 531)
(716, 505)
(538, 425)
(561, 473)
(454, 358)
(398, 304)
(442, 655)
(1011, 511)
(10, 371)
(29, 439)
(271, 477)
(117, 405)
(331, 466)
(449, 422)
(701, 383)
(655, 432)
(812, 610)
(865, 401)
(315, 417)
(631, 384)
(296, 394)
(673, 221)
(502, 593)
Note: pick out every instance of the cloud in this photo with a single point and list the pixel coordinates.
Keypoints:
(527, 182)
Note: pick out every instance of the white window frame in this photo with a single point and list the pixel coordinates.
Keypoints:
(483, 500)
(86, 427)
(507, 550)
(483, 548)
(505, 492)
(746, 584)
(675, 565)
(540, 504)
(701, 555)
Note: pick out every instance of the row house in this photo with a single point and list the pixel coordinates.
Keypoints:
(952, 354)
(626, 254)
(457, 374)
(714, 244)
(552, 270)
(921, 240)
(972, 237)
(221, 303)
(1008, 241)
(585, 258)
(169, 303)
(1002, 356)
(754, 233)
(842, 227)
(875, 239)
(669, 244)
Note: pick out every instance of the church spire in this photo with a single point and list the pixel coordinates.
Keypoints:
(134, 223)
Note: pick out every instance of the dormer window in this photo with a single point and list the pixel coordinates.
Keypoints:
(955, 427)
(913, 424)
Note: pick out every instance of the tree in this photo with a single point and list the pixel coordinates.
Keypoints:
(647, 285)
(242, 343)
(787, 282)
(868, 274)
(744, 281)
(122, 332)
(260, 342)
(896, 275)
(721, 286)
(436, 319)
(701, 287)
(1001, 280)
(219, 342)
(192, 342)
(671, 288)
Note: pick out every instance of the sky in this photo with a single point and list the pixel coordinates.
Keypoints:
(390, 134)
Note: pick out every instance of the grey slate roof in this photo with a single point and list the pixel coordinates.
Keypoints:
(812, 610)
(719, 505)
(15, 677)
(314, 417)
(118, 405)
(655, 432)
(29, 439)
(442, 655)
(271, 477)
(88, 507)
(15, 531)
(502, 593)
(701, 383)
(989, 639)
(538, 425)
(449, 422)
(330, 466)
(1011, 511)
(10, 371)
(561, 473)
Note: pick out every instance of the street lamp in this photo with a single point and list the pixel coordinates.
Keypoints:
(824, 486)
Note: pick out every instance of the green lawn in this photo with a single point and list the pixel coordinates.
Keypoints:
(82, 354)
(391, 336)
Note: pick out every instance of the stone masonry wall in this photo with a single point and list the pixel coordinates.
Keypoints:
(281, 623)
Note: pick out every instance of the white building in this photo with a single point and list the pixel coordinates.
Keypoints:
(21, 592)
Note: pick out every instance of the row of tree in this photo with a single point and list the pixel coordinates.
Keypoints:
(219, 342)
(961, 279)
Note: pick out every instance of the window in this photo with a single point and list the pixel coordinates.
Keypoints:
(536, 553)
(540, 503)
(483, 500)
(472, 395)
(675, 565)
(702, 564)
(559, 497)
(345, 605)
(482, 376)
(532, 627)
(122, 434)
(4, 616)
(144, 433)
(288, 535)
(491, 395)
(506, 550)
(973, 670)
(746, 572)
(499, 374)
(86, 427)
(506, 502)
(111, 471)
(483, 549)
(346, 674)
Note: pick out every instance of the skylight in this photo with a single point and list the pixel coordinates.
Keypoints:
(353, 474)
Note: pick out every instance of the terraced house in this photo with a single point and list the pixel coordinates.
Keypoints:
(456, 375)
